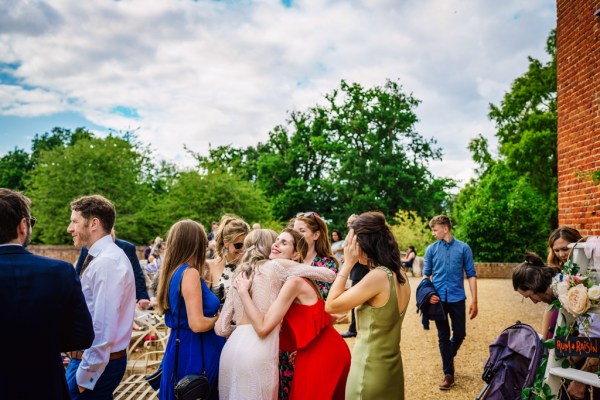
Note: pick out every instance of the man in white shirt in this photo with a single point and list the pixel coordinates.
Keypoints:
(108, 286)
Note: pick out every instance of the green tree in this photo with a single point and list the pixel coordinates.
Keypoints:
(205, 198)
(358, 151)
(409, 229)
(512, 204)
(502, 216)
(14, 169)
(113, 167)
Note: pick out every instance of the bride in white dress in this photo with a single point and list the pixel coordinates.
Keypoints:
(249, 365)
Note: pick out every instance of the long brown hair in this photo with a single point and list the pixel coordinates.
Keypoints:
(300, 245)
(571, 235)
(377, 242)
(322, 244)
(186, 243)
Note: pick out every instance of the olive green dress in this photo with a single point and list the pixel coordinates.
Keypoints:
(376, 369)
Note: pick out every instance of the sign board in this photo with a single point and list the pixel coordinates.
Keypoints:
(577, 346)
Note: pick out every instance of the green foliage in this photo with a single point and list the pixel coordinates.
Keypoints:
(205, 198)
(502, 216)
(14, 169)
(540, 389)
(410, 229)
(512, 205)
(356, 152)
(112, 167)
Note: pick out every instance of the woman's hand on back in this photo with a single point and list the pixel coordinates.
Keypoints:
(243, 283)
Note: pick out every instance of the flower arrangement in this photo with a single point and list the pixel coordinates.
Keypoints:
(576, 293)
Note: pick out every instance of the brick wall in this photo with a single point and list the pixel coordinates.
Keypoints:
(484, 270)
(67, 253)
(578, 58)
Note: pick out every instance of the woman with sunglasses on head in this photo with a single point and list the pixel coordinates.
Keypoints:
(249, 362)
(558, 254)
(190, 310)
(314, 229)
(322, 358)
(381, 299)
(229, 249)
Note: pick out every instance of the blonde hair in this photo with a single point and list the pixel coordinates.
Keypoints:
(186, 243)
(230, 228)
(440, 220)
(258, 247)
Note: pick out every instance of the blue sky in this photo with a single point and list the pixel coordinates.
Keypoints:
(201, 73)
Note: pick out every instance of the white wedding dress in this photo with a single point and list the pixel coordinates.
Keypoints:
(249, 365)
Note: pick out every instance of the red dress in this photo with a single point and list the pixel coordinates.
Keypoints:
(323, 358)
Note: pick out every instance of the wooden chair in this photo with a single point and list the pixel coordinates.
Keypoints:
(554, 372)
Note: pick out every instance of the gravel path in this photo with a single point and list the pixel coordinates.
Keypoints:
(499, 307)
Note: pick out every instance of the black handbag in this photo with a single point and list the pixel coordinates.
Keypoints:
(191, 386)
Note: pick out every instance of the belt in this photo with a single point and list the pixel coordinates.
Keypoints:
(76, 355)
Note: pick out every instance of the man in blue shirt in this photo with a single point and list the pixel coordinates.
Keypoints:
(446, 262)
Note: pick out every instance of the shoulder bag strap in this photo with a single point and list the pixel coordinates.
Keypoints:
(177, 341)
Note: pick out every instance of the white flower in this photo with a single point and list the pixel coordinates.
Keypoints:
(562, 288)
(576, 300)
(594, 292)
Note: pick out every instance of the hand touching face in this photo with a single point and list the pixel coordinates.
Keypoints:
(351, 248)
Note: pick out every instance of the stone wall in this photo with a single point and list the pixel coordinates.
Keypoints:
(578, 74)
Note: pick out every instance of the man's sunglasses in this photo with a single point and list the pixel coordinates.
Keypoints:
(31, 221)
(238, 246)
(308, 214)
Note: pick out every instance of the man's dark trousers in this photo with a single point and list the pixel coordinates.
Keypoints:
(449, 346)
(106, 385)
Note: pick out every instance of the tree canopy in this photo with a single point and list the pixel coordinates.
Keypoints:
(356, 152)
(512, 205)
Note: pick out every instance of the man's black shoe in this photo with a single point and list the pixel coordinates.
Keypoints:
(348, 334)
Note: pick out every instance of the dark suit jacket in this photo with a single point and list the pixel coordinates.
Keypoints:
(433, 312)
(129, 249)
(43, 313)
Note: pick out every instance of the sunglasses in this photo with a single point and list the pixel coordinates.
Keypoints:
(238, 246)
(308, 214)
(31, 221)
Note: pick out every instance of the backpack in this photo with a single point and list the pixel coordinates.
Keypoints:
(514, 357)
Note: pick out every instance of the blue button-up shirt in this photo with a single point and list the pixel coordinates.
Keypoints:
(446, 264)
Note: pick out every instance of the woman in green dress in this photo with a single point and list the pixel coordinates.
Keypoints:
(381, 298)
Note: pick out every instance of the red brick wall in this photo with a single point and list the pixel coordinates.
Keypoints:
(578, 58)
(67, 253)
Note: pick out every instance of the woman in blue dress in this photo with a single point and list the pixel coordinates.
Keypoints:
(199, 348)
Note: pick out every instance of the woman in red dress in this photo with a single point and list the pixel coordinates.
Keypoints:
(323, 359)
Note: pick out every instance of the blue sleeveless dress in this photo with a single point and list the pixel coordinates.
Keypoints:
(191, 344)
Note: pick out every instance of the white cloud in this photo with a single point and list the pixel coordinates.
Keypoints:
(227, 72)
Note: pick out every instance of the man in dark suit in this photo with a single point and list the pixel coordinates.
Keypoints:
(141, 293)
(43, 310)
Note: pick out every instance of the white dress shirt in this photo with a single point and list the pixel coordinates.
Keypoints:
(109, 289)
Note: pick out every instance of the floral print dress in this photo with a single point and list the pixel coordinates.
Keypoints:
(286, 360)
